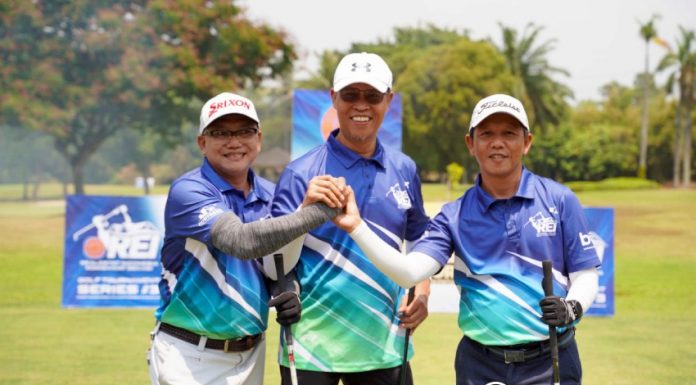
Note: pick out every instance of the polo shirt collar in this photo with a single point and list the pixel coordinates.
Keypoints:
(524, 191)
(348, 157)
(224, 187)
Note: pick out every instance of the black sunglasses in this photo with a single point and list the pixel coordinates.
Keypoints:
(352, 95)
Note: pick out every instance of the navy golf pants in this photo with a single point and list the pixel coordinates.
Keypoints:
(475, 365)
(389, 376)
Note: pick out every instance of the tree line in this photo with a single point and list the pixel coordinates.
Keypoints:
(101, 90)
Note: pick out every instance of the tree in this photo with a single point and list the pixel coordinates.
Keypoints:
(534, 83)
(439, 95)
(682, 65)
(647, 32)
(407, 44)
(83, 70)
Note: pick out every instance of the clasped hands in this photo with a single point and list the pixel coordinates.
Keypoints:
(335, 193)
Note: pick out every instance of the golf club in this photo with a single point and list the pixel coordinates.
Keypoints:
(402, 375)
(547, 284)
(287, 330)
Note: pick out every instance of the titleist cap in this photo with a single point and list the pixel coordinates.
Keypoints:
(498, 103)
(224, 104)
(362, 67)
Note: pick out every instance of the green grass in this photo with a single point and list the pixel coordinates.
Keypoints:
(649, 341)
(51, 191)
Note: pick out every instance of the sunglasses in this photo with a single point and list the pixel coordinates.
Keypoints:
(242, 134)
(352, 95)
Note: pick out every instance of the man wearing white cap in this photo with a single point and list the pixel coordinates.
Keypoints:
(214, 297)
(351, 329)
(500, 231)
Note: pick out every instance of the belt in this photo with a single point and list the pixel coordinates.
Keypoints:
(528, 351)
(233, 345)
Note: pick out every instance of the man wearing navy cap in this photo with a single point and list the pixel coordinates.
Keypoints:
(500, 231)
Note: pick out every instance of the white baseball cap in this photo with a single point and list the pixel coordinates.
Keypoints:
(498, 103)
(224, 104)
(362, 67)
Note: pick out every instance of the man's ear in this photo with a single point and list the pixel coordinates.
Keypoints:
(201, 142)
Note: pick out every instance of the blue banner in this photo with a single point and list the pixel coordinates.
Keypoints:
(112, 251)
(601, 235)
(313, 118)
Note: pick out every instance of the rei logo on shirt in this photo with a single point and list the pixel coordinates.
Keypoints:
(403, 201)
(544, 226)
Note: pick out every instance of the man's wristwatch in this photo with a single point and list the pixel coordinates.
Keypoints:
(577, 309)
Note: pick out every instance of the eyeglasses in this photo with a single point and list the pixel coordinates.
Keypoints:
(241, 134)
(352, 95)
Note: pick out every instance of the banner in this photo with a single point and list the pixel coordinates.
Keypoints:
(601, 223)
(112, 251)
(313, 118)
(444, 294)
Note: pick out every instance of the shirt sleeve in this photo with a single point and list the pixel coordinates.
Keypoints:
(579, 250)
(437, 241)
(192, 209)
(417, 220)
(289, 193)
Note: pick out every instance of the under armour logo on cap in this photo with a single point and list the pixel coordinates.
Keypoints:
(365, 68)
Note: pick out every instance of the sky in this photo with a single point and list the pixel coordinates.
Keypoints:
(597, 41)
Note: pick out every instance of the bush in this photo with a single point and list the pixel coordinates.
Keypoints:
(622, 183)
(454, 174)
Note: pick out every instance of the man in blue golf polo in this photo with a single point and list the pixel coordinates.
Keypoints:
(500, 231)
(351, 328)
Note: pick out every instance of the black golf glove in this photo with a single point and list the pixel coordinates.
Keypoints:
(286, 300)
(556, 311)
(287, 306)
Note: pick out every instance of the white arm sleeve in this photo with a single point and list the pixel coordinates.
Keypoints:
(406, 270)
(291, 254)
(584, 285)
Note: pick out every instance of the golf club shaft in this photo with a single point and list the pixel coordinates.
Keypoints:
(287, 330)
(402, 375)
(547, 284)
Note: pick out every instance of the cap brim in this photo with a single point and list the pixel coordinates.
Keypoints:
(490, 112)
(374, 83)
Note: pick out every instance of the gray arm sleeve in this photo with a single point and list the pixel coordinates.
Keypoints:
(256, 239)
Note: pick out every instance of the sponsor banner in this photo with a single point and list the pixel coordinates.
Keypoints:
(313, 118)
(601, 236)
(444, 297)
(112, 251)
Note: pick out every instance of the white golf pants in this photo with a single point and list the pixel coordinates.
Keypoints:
(172, 361)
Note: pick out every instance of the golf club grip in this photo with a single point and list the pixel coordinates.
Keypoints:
(402, 374)
(547, 284)
(280, 270)
(411, 295)
(280, 276)
(287, 330)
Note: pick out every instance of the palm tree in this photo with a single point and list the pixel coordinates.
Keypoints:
(529, 64)
(648, 32)
(682, 64)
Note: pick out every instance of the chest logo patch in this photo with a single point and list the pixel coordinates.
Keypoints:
(403, 201)
(544, 226)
